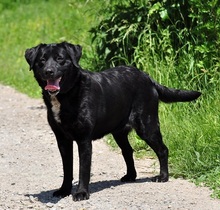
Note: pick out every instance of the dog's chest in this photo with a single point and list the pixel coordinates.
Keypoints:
(55, 108)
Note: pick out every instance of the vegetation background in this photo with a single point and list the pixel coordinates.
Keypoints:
(176, 42)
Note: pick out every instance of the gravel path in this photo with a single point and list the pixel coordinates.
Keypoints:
(30, 169)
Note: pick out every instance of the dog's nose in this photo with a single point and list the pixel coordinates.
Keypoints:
(49, 72)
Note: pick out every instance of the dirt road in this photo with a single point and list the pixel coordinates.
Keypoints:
(30, 169)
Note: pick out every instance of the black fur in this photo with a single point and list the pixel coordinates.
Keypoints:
(85, 106)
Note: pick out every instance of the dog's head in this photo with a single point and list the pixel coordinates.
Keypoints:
(53, 64)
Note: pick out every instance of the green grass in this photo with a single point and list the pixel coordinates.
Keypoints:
(26, 25)
(190, 130)
(192, 133)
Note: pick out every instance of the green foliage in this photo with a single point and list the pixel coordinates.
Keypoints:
(142, 33)
(192, 135)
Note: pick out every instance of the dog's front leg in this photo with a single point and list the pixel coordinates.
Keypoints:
(85, 156)
(66, 151)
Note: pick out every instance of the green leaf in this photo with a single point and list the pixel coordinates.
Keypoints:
(154, 8)
(164, 14)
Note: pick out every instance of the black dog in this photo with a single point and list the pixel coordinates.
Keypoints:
(84, 106)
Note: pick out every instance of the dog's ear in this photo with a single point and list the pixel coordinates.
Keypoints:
(75, 53)
(31, 54)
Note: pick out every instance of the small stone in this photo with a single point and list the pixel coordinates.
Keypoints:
(50, 205)
(31, 198)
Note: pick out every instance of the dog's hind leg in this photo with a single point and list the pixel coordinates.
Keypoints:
(148, 128)
(122, 140)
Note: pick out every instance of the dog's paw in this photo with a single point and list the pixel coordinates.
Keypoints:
(160, 178)
(128, 178)
(81, 195)
(62, 193)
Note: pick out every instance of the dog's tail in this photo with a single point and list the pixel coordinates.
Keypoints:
(169, 95)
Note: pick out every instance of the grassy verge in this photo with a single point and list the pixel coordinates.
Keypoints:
(192, 133)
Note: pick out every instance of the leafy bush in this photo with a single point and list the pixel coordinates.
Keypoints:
(184, 33)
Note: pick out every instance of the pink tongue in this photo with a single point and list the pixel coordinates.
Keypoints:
(53, 85)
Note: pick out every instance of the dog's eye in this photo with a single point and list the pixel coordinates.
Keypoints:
(42, 60)
(60, 59)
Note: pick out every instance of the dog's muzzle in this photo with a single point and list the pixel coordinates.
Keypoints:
(53, 86)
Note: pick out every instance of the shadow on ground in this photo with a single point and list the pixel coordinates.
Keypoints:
(47, 196)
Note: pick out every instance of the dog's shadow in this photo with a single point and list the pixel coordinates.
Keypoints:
(47, 196)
